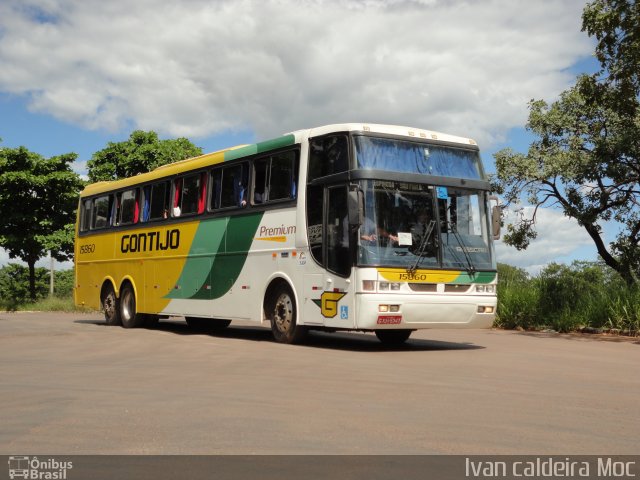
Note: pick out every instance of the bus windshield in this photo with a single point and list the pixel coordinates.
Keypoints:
(416, 225)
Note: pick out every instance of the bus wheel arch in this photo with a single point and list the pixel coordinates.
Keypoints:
(280, 308)
(127, 303)
(110, 303)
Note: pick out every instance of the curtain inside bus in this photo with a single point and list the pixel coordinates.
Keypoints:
(413, 157)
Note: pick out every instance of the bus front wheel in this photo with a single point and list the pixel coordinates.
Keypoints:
(111, 306)
(393, 337)
(282, 313)
(130, 318)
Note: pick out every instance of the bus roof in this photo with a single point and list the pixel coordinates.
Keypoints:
(401, 131)
(285, 140)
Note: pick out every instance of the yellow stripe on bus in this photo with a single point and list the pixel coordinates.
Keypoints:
(420, 276)
(273, 239)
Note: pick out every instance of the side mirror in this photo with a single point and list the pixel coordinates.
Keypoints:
(496, 217)
(356, 207)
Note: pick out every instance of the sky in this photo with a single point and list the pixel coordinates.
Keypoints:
(75, 75)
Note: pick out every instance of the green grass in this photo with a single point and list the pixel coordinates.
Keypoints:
(48, 304)
(567, 299)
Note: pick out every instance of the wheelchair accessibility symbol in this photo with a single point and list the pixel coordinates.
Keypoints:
(344, 312)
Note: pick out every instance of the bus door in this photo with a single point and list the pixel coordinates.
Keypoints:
(328, 290)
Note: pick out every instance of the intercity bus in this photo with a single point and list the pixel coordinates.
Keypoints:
(363, 227)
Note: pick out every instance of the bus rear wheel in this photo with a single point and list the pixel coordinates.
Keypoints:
(281, 310)
(393, 337)
(130, 318)
(111, 306)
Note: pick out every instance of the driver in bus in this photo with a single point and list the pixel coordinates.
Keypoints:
(371, 234)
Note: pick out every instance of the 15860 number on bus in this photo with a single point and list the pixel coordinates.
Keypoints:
(408, 277)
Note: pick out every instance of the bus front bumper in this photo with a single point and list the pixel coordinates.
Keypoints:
(377, 312)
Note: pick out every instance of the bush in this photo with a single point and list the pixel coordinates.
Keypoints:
(567, 298)
(14, 285)
(63, 283)
(517, 298)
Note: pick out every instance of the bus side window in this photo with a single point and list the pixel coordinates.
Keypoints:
(114, 209)
(202, 198)
(215, 189)
(159, 201)
(177, 195)
(129, 207)
(234, 186)
(189, 203)
(260, 189)
(146, 204)
(328, 155)
(275, 178)
(282, 176)
(85, 218)
(101, 211)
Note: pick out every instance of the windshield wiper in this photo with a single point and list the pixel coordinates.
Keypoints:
(422, 249)
(470, 268)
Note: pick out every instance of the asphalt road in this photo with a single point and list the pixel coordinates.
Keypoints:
(71, 385)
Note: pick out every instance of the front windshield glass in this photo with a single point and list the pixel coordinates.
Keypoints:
(414, 225)
(463, 229)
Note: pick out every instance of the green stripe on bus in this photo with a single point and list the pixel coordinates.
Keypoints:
(476, 277)
(280, 142)
(207, 242)
(226, 267)
(240, 152)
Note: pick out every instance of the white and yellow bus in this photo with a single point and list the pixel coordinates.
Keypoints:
(372, 228)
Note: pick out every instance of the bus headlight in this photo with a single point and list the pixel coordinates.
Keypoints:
(485, 309)
(388, 308)
(486, 288)
(369, 285)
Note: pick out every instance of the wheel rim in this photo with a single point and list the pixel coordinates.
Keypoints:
(283, 313)
(110, 305)
(127, 305)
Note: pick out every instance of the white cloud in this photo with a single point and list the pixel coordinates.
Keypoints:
(198, 68)
(559, 238)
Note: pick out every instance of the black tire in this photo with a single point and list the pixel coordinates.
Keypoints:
(393, 337)
(282, 312)
(128, 314)
(111, 306)
(207, 324)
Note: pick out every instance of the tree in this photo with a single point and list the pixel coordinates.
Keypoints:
(38, 201)
(586, 158)
(141, 153)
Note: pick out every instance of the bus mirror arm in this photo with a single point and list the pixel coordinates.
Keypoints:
(496, 217)
(356, 207)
